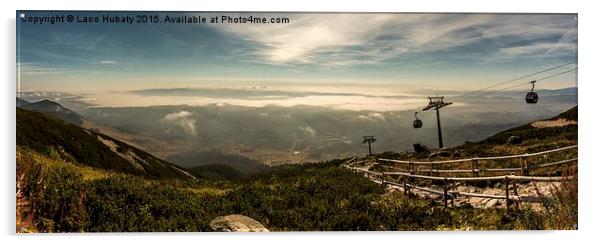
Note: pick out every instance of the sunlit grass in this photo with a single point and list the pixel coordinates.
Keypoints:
(88, 173)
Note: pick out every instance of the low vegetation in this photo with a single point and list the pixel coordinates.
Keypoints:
(290, 198)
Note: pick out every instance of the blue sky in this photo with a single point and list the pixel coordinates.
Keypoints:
(430, 51)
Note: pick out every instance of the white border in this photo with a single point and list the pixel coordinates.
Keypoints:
(589, 131)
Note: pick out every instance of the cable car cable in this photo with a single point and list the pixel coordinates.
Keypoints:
(418, 123)
(465, 95)
(522, 84)
(518, 78)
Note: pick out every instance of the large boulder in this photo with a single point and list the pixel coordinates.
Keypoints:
(236, 223)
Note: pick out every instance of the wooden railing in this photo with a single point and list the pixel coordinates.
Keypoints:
(449, 195)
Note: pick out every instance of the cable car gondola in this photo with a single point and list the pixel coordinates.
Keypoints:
(531, 97)
(417, 121)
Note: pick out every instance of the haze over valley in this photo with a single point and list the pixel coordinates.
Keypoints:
(255, 125)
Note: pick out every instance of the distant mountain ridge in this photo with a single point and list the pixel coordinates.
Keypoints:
(53, 109)
(21, 102)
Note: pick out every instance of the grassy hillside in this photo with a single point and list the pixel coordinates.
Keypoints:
(52, 136)
(533, 139)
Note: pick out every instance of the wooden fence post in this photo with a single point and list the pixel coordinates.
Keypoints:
(525, 165)
(431, 169)
(406, 190)
(517, 202)
(475, 167)
(431, 172)
(507, 194)
(405, 187)
(445, 191)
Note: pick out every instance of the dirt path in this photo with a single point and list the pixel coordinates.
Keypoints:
(533, 190)
(553, 123)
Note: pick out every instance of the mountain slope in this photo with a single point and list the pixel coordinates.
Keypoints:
(571, 114)
(555, 132)
(52, 136)
(54, 109)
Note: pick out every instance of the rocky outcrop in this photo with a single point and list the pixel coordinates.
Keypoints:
(442, 152)
(236, 223)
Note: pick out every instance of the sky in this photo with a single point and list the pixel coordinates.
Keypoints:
(410, 51)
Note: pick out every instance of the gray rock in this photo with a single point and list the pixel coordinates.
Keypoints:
(236, 223)
(443, 152)
(492, 203)
(514, 140)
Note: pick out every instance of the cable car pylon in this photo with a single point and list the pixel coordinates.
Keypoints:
(436, 103)
(369, 140)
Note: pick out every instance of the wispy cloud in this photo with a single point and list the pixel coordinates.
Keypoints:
(32, 68)
(537, 49)
(92, 44)
(350, 39)
(107, 62)
(373, 117)
(565, 45)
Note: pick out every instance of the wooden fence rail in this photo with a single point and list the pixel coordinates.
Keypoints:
(526, 155)
(568, 161)
(485, 178)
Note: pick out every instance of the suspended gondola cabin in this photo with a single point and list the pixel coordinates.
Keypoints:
(417, 121)
(532, 97)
